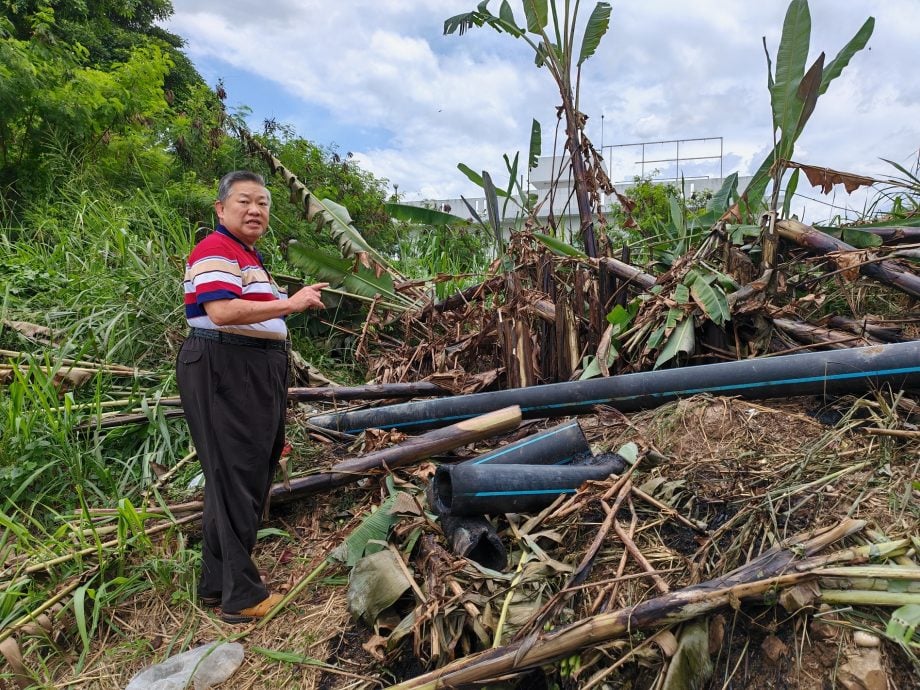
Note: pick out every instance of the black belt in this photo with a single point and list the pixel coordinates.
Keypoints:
(235, 339)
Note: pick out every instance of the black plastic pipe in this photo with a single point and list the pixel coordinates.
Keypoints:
(474, 537)
(558, 445)
(856, 370)
(493, 489)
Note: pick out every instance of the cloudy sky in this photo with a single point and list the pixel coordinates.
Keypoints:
(378, 78)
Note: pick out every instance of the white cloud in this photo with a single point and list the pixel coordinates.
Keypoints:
(666, 70)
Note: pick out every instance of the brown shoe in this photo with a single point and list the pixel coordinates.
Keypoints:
(248, 615)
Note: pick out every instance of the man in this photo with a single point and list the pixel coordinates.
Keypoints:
(232, 375)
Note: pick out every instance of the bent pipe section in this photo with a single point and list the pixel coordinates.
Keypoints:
(494, 489)
(558, 445)
(814, 373)
(475, 538)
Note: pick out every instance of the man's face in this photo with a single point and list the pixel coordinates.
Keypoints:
(245, 211)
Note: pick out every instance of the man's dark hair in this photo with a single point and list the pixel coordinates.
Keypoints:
(231, 178)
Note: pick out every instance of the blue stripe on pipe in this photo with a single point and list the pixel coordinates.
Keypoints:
(738, 386)
(539, 437)
(479, 494)
(688, 391)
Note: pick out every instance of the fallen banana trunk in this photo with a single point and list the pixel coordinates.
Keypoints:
(886, 272)
(463, 297)
(821, 335)
(332, 394)
(629, 273)
(410, 450)
(777, 568)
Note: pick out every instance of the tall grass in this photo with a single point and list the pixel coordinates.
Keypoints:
(101, 270)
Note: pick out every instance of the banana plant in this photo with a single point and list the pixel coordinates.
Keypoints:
(514, 193)
(794, 93)
(551, 35)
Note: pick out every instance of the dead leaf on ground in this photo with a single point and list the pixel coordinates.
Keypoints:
(375, 439)
(849, 263)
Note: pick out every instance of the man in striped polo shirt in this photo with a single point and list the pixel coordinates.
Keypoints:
(232, 375)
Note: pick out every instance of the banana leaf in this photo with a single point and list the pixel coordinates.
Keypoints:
(711, 299)
(535, 144)
(853, 46)
(537, 15)
(370, 535)
(340, 271)
(422, 216)
(860, 238)
(492, 207)
(903, 624)
(476, 178)
(682, 339)
(790, 66)
(791, 186)
(559, 247)
(594, 30)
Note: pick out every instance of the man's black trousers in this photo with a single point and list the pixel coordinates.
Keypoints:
(234, 397)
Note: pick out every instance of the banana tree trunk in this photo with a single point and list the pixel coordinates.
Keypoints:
(823, 336)
(817, 242)
(407, 452)
(573, 143)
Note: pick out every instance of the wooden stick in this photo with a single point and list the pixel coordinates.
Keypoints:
(696, 526)
(640, 559)
(898, 433)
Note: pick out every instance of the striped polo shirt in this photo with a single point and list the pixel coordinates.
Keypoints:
(223, 267)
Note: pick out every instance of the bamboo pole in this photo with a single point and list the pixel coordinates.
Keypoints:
(370, 391)
(46, 565)
(331, 394)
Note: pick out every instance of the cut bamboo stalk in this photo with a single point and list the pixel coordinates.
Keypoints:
(83, 364)
(46, 565)
(45, 606)
(407, 452)
(380, 391)
(331, 394)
